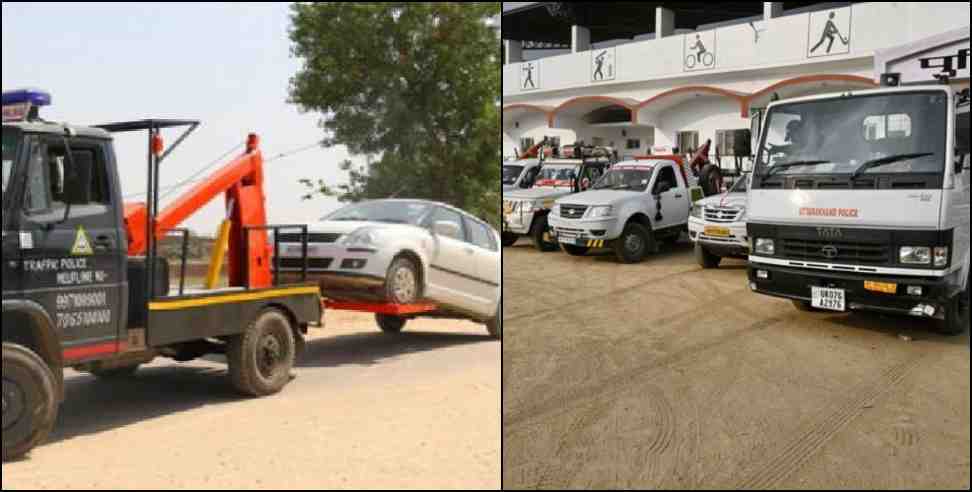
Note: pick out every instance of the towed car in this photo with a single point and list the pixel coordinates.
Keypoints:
(404, 252)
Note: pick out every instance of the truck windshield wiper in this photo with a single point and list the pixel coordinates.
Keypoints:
(787, 165)
(884, 161)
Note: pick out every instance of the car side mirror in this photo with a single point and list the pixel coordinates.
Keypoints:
(446, 228)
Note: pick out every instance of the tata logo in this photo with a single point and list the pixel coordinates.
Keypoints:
(830, 233)
(948, 65)
(830, 252)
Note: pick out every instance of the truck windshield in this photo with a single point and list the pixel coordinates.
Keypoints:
(903, 133)
(387, 211)
(557, 176)
(511, 174)
(625, 179)
(10, 139)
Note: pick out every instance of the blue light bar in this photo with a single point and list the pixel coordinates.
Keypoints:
(34, 97)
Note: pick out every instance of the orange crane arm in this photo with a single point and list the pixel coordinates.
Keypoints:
(241, 181)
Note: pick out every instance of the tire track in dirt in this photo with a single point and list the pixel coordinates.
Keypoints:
(794, 456)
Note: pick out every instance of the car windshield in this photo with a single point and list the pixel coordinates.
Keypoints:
(391, 212)
(632, 179)
(557, 176)
(880, 134)
(10, 139)
(511, 174)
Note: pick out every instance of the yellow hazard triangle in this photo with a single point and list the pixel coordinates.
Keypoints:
(82, 247)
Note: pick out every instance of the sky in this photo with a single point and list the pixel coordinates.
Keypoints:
(227, 65)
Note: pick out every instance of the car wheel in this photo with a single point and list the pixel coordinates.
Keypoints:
(575, 250)
(705, 259)
(509, 239)
(540, 234)
(956, 315)
(402, 282)
(390, 324)
(29, 401)
(635, 242)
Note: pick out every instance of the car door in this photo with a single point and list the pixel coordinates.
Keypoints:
(670, 209)
(74, 267)
(488, 265)
(453, 280)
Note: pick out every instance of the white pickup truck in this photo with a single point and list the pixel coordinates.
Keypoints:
(636, 205)
(717, 226)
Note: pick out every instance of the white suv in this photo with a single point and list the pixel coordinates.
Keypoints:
(717, 226)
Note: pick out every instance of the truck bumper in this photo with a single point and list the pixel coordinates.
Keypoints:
(726, 240)
(795, 284)
(585, 233)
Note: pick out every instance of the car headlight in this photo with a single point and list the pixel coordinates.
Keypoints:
(599, 212)
(941, 257)
(365, 236)
(697, 211)
(765, 247)
(915, 255)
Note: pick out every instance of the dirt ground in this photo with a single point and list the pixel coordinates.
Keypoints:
(662, 375)
(367, 411)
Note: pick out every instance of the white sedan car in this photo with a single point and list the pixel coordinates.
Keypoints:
(404, 252)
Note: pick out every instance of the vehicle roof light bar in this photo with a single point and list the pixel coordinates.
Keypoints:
(23, 104)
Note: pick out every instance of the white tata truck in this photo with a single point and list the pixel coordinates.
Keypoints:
(860, 201)
(633, 208)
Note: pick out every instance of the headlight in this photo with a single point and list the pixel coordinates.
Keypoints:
(941, 257)
(365, 236)
(697, 211)
(599, 212)
(915, 255)
(765, 247)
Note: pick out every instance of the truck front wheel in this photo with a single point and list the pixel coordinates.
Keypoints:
(575, 250)
(956, 315)
(29, 401)
(634, 243)
(705, 259)
(261, 359)
(540, 234)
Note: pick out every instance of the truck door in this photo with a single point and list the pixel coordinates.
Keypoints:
(671, 205)
(74, 267)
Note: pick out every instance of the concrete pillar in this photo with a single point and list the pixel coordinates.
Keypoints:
(514, 51)
(580, 39)
(772, 10)
(664, 22)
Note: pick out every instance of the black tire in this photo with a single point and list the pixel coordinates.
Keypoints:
(262, 358)
(509, 239)
(635, 243)
(29, 401)
(956, 315)
(705, 259)
(539, 234)
(495, 325)
(709, 180)
(805, 306)
(402, 282)
(390, 324)
(575, 250)
(115, 373)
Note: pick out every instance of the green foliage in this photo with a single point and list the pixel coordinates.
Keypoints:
(416, 87)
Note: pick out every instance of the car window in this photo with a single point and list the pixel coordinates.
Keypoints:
(480, 235)
(447, 223)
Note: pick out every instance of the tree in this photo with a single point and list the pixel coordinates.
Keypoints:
(413, 86)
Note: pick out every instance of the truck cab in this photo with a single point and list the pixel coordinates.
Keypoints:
(631, 209)
(860, 201)
(520, 174)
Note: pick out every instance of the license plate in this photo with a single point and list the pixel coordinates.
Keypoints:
(829, 299)
(717, 231)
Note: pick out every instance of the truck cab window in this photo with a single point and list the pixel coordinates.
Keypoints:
(10, 139)
(666, 179)
(51, 184)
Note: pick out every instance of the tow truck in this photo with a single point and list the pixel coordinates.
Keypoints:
(860, 202)
(84, 286)
(525, 212)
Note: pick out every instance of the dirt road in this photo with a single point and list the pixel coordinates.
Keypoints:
(367, 411)
(662, 375)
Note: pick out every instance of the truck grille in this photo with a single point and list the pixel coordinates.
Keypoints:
(722, 215)
(836, 252)
(570, 233)
(573, 211)
(314, 238)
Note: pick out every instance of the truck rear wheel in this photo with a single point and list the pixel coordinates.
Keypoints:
(635, 242)
(509, 239)
(956, 315)
(390, 324)
(706, 260)
(29, 401)
(260, 360)
(540, 235)
(575, 250)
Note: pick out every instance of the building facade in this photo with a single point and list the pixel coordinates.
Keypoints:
(675, 87)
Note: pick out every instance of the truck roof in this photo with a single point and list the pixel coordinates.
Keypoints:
(49, 128)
